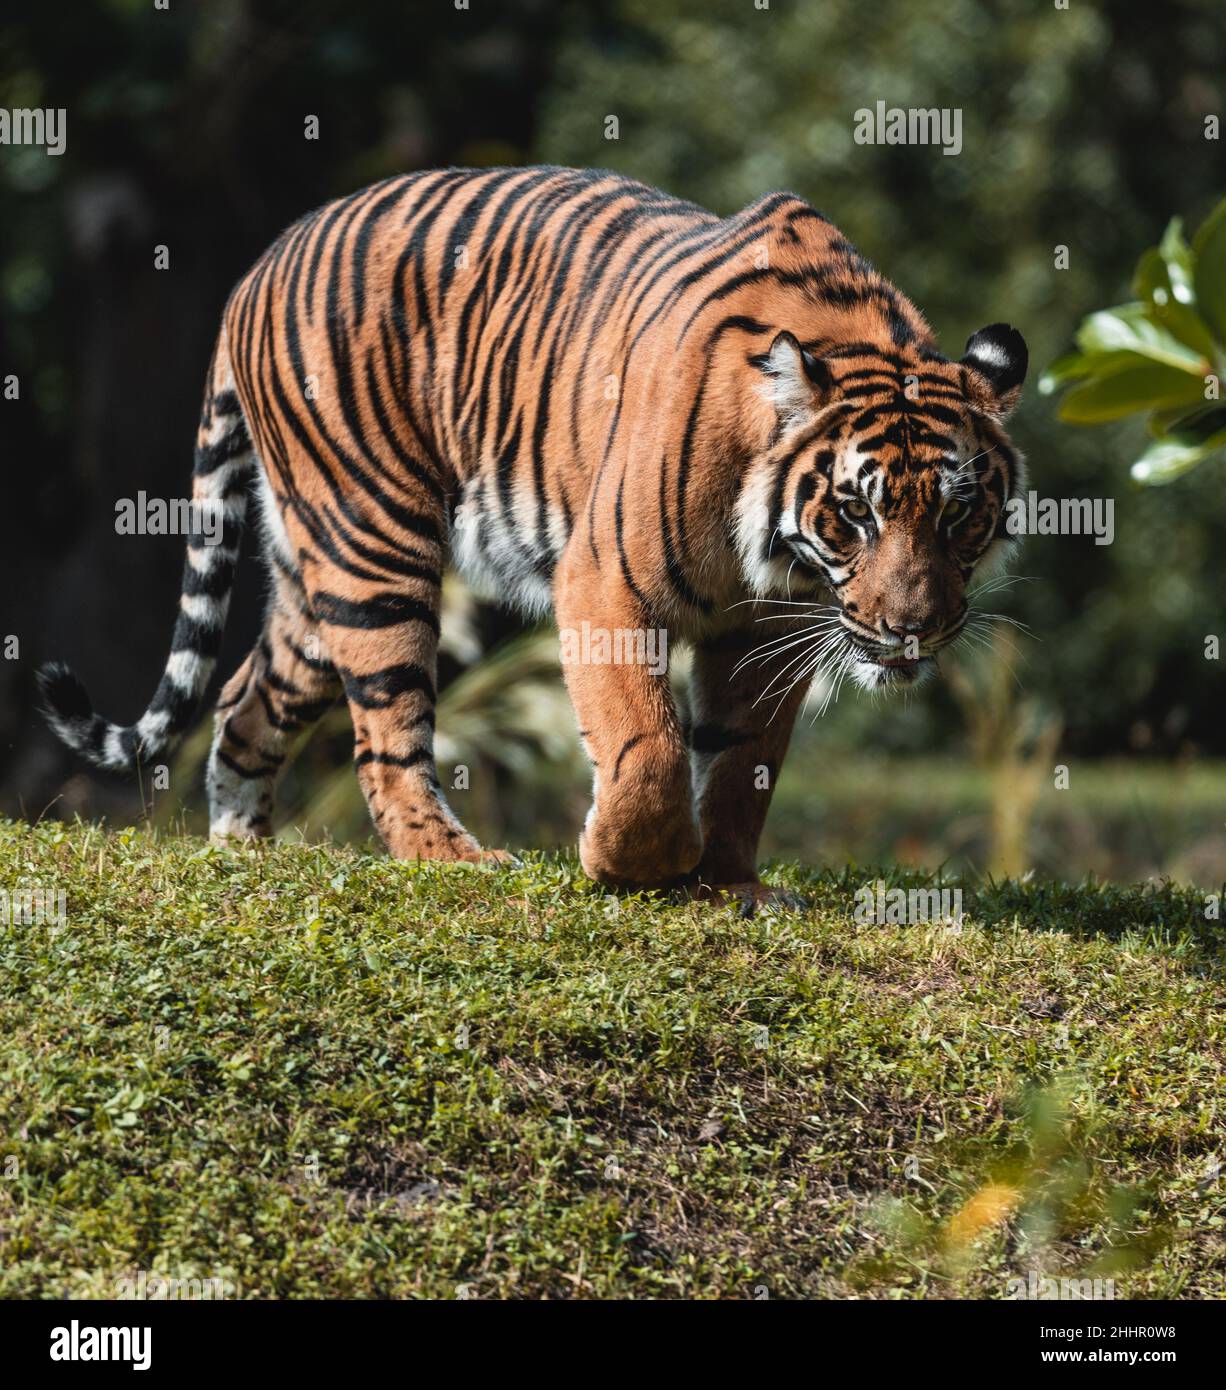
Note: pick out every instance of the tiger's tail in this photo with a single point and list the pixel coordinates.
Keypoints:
(224, 462)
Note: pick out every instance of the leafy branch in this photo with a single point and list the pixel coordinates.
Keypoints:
(1162, 353)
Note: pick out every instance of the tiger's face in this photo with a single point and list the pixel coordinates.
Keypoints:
(884, 484)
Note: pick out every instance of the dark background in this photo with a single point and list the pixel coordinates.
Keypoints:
(1081, 127)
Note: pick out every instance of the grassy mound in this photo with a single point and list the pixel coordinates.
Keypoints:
(301, 1071)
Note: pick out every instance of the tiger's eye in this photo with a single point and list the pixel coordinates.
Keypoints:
(955, 510)
(855, 509)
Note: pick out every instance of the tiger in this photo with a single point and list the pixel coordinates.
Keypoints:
(601, 404)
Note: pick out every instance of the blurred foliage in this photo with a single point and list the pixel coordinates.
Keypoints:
(1044, 1200)
(202, 108)
(1014, 739)
(1161, 353)
(1122, 820)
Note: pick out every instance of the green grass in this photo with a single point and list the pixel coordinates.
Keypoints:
(310, 1071)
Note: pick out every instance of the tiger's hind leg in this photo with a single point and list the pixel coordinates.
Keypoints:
(380, 622)
(283, 687)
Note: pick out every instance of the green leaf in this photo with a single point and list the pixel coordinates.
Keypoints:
(1127, 328)
(1146, 387)
(1152, 283)
(1179, 261)
(1074, 366)
(1163, 422)
(1198, 425)
(1186, 324)
(1071, 367)
(1210, 274)
(1166, 459)
(1151, 276)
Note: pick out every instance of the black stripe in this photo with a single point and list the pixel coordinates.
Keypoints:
(380, 610)
(379, 689)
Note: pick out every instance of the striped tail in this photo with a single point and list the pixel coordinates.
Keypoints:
(224, 461)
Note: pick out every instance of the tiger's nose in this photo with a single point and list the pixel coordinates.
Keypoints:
(919, 628)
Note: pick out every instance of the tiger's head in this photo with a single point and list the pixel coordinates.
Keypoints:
(883, 481)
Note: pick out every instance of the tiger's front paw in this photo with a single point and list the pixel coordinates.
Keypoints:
(628, 851)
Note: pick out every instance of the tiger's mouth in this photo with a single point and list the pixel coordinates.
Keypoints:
(881, 668)
(881, 672)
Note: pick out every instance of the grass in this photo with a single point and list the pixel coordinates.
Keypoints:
(309, 1071)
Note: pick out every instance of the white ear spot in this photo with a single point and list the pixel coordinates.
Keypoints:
(989, 355)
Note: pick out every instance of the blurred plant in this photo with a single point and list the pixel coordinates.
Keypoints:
(1039, 1206)
(1013, 738)
(1162, 353)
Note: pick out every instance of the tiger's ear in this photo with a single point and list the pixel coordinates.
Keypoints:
(997, 359)
(797, 383)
